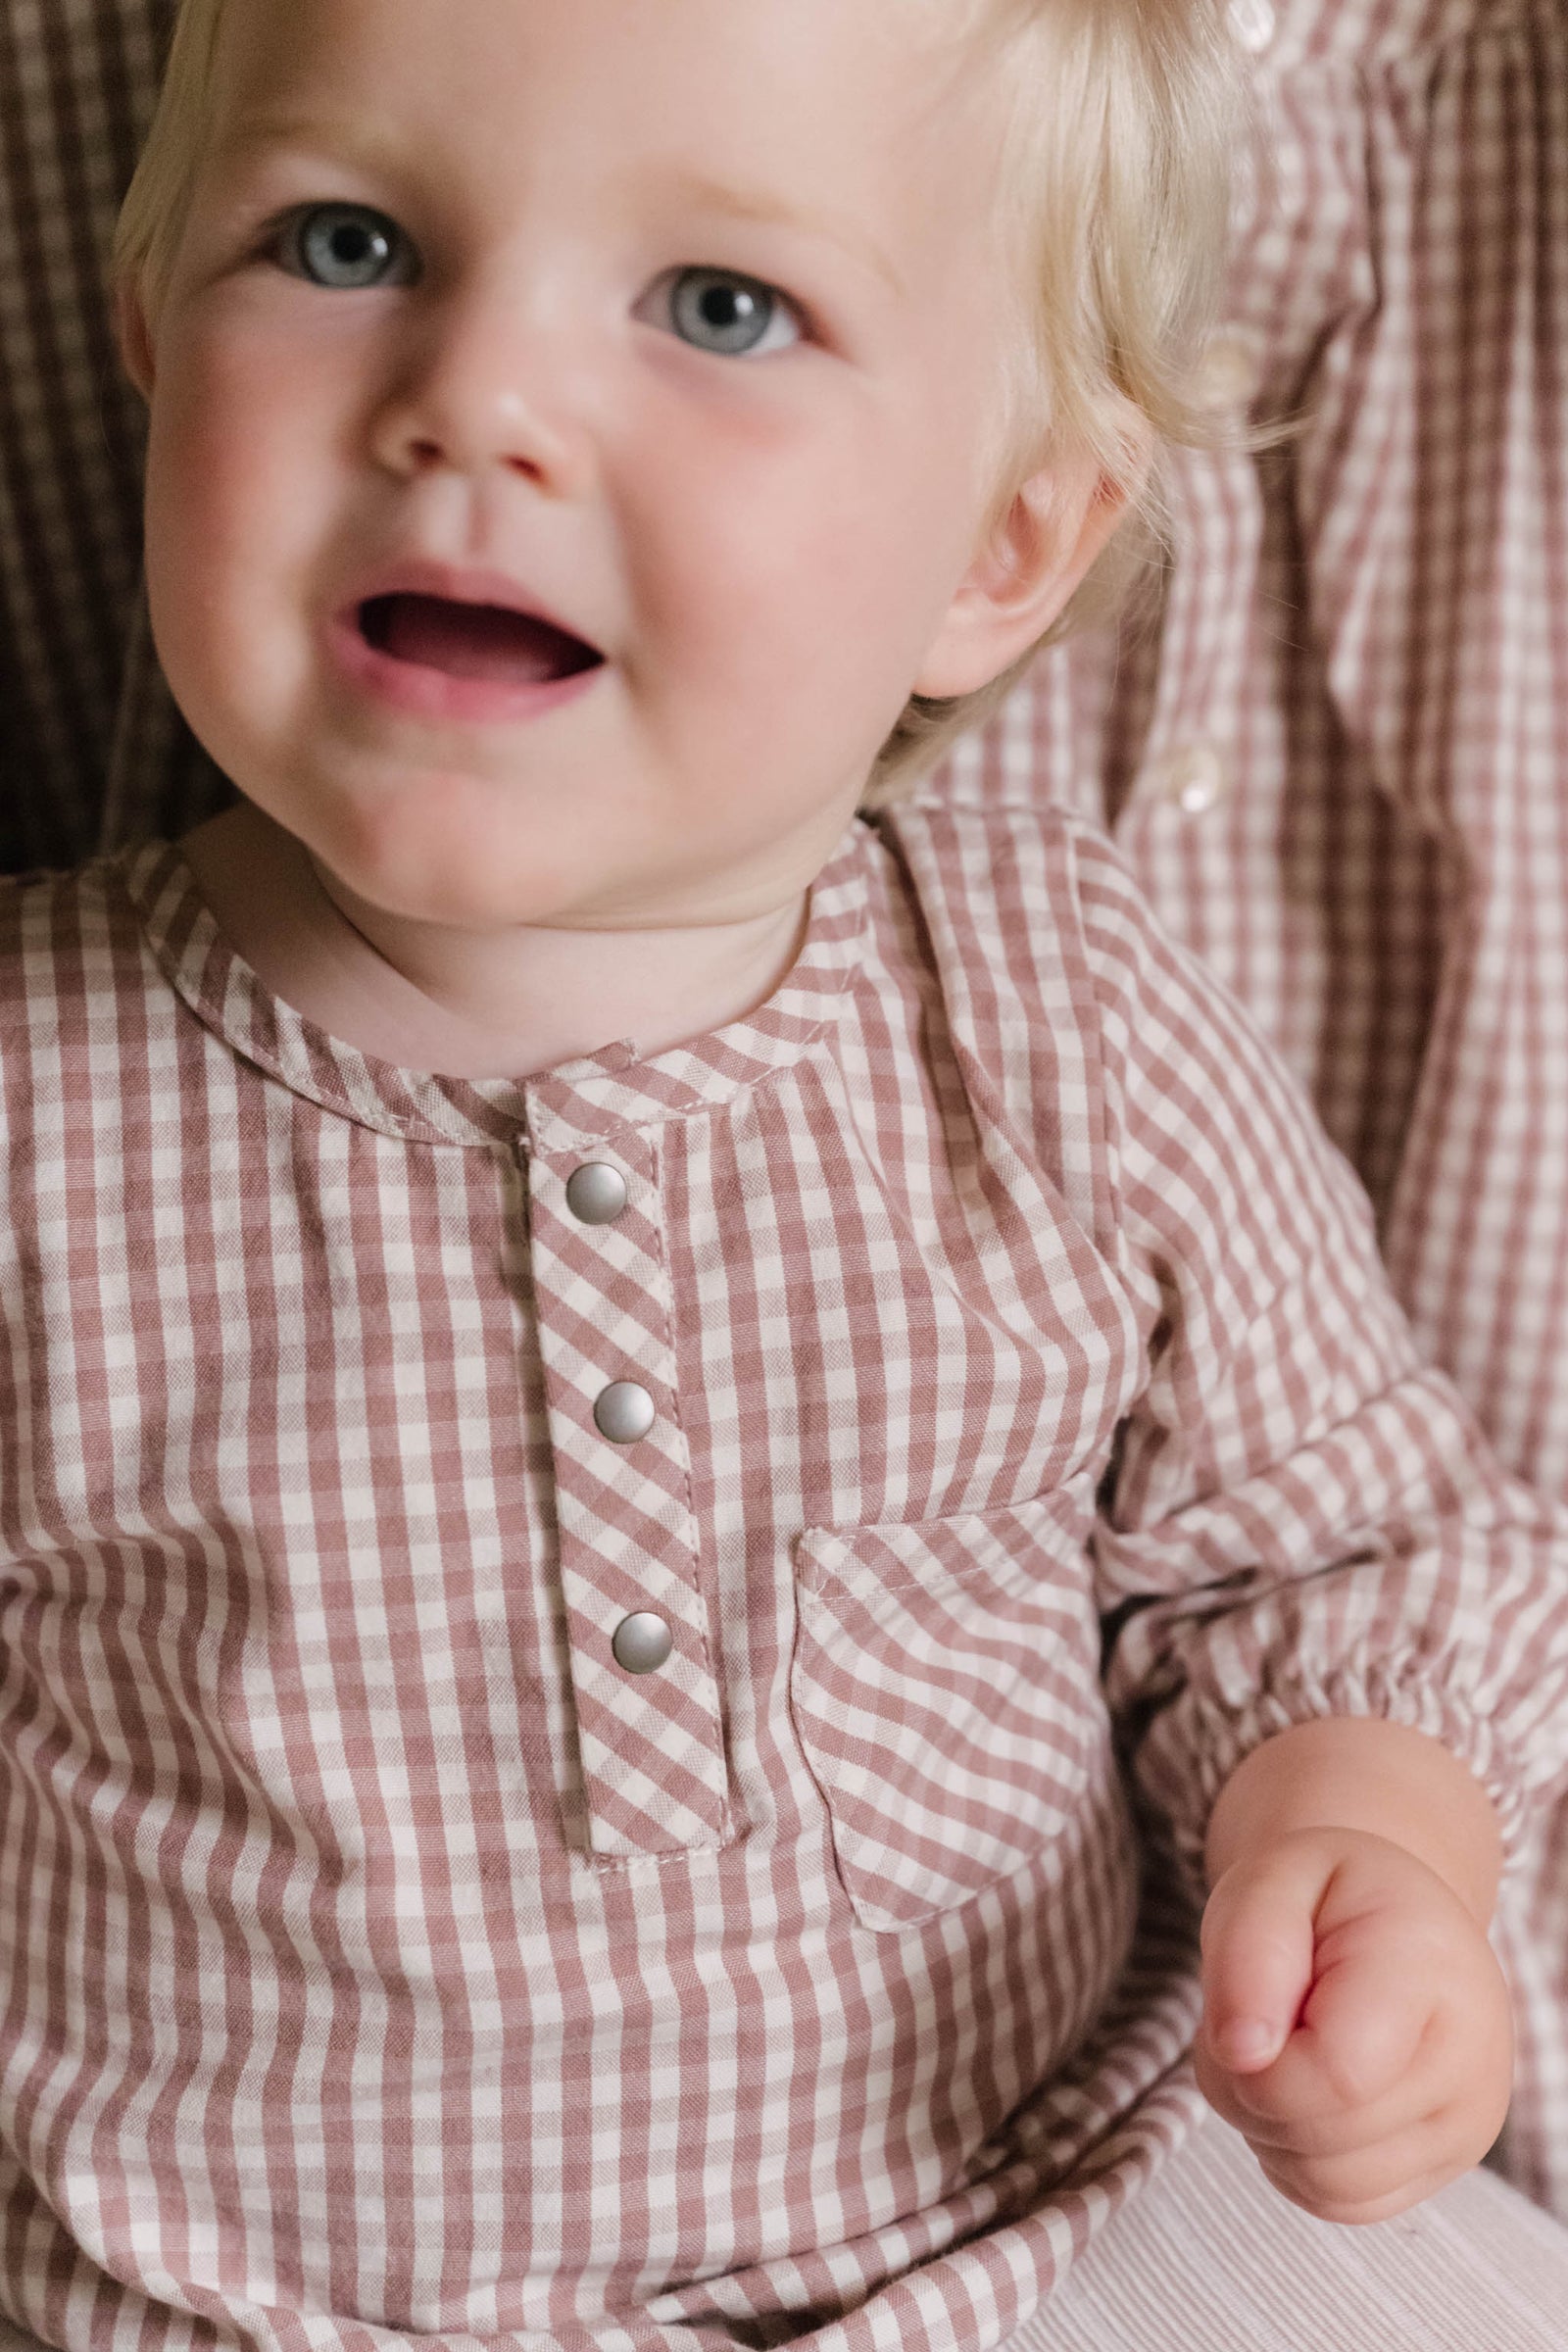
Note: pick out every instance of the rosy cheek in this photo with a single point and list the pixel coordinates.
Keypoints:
(190, 455)
(737, 515)
(230, 466)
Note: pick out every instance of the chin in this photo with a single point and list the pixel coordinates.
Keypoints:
(419, 877)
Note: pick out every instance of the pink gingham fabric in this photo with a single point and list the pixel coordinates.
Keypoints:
(1334, 758)
(1335, 753)
(384, 1960)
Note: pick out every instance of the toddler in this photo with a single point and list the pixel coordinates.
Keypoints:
(641, 1409)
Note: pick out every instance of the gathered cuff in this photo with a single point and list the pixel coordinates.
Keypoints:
(1193, 1745)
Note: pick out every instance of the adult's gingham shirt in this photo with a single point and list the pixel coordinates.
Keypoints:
(386, 1960)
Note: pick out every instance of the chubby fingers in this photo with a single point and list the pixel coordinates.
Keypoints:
(1393, 2072)
(1344, 2164)
(1305, 2018)
(1365, 2185)
(1259, 1948)
(1334, 2111)
(1365, 2166)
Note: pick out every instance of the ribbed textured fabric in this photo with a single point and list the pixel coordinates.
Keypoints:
(1209, 2258)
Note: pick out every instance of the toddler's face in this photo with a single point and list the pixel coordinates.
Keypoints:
(569, 423)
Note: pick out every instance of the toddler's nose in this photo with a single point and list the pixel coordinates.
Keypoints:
(480, 389)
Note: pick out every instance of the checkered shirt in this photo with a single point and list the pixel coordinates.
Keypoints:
(384, 1958)
(1333, 759)
(1336, 752)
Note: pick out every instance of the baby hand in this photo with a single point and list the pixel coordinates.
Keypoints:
(1355, 2023)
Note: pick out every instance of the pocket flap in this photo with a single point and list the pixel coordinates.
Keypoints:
(945, 1691)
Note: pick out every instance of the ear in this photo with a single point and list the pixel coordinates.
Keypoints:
(1034, 555)
(134, 337)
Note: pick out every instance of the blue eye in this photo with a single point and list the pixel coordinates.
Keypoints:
(736, 318)
(347, 247)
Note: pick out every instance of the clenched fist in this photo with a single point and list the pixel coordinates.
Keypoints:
(1357, 2024)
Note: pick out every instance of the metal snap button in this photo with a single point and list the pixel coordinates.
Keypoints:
(624, 1412)
(597, 1193)
(641, 1643)
(1195, 780)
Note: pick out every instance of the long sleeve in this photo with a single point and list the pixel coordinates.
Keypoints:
(1304, 1518)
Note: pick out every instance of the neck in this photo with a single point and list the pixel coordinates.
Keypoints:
(500, 1004)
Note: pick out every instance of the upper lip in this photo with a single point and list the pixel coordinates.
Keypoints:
(458, 584)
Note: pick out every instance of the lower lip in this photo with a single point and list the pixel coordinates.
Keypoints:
(432, 694)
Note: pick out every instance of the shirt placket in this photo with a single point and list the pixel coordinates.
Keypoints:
(646, 1697)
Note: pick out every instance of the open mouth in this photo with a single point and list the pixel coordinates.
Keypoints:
(485, 644)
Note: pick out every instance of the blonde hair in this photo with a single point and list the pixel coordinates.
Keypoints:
(1116, 179)
(151, 218)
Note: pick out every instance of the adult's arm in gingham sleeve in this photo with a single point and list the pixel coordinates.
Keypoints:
(1305, 1519)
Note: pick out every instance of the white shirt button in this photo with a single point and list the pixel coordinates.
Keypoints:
(1253, 25)
(624, 1412)
(597, 1193)
(1228, 372)
(643, 1643)
(1193, 780)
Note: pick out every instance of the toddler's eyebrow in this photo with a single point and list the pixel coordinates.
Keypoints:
(770, 211)
(358, 143)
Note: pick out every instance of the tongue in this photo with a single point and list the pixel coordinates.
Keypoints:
(474, 641)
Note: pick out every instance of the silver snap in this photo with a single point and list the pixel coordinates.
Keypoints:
(624, 1412)
(1195, 780)
(643, 1643)
(597, 1193)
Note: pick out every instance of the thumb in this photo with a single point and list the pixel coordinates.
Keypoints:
(1258, 1944)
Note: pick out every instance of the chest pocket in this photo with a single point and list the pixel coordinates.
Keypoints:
(945, 1692)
